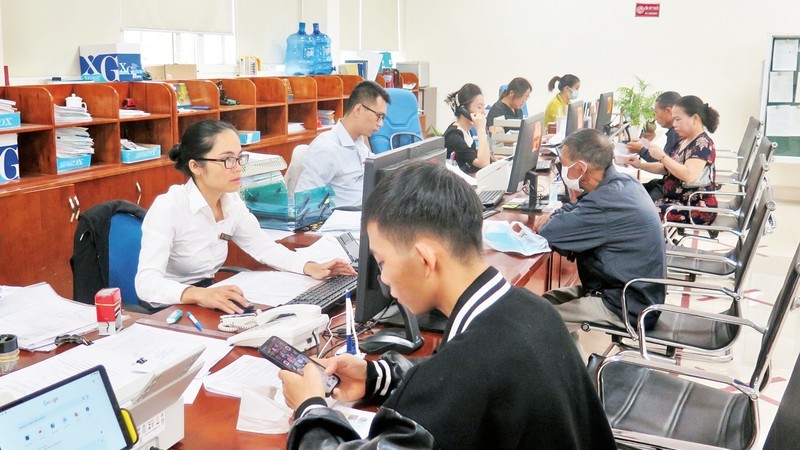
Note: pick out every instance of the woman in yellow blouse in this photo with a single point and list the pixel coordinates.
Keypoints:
(568, 86)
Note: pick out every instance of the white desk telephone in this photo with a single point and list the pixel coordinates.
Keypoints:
(299, 325)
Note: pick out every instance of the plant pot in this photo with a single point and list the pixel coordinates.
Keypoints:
(635, 132)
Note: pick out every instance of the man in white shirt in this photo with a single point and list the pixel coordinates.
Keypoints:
(336, 158)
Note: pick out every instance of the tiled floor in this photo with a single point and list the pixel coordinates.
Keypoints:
(761, 288)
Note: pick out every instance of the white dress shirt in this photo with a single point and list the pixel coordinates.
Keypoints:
(334, 159)
(182, 243)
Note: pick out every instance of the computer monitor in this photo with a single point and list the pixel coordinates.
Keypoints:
(604, 108)
(528, 142)
(373, 298)
(574, 117)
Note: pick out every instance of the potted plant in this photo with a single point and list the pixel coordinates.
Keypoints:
(636, 106)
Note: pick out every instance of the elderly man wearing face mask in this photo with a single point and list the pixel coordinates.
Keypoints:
(612, 231)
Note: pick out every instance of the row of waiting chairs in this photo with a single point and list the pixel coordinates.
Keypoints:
(646, 404)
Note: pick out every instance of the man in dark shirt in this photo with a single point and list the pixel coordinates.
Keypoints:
(505, 374)
(663, 108)
(613, 232)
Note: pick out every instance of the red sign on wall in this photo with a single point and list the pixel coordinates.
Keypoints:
(648, 9)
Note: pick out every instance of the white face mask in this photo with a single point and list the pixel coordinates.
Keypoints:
(574, 94)
(572, 184)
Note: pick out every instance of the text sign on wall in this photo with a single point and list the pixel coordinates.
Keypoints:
(648, 9)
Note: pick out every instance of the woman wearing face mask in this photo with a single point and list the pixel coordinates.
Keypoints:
(510, 104)
(690, 167)
(468, 106)
(568, 87)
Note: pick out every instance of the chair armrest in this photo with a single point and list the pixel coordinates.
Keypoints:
(727, 155)
(403, 133)
(703, 256)
(714, 317)
(718, 193)
(670, 368)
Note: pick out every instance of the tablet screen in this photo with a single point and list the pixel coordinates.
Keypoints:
(80, 412)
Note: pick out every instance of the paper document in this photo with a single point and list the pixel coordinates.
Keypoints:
(246, 372)
(271, 288)
(325, 249)
(342, 221)
(783, 120)
(359, 420)
(781, 87)
(784, 54)
(37, 314)
(472, 181)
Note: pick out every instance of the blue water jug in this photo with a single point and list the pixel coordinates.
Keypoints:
(323, 61)
(300, 52)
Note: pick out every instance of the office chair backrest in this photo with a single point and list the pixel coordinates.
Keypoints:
(781, 308)
(295, 167)
(747, 148)
(524, 105)
(753, 189)
(784, 432)
(745, 251)
(124, 244)
(401, 124)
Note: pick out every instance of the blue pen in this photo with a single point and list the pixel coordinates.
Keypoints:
(351, 343)
(194, 320)
(174, 317)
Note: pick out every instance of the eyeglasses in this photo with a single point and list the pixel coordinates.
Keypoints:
(379, 115)
(230, 161)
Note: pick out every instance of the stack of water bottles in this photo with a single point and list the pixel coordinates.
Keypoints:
(308, 54)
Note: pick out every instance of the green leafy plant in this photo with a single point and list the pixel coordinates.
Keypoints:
(635, 104)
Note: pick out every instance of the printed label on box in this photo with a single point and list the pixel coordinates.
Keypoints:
(114, 62)
(9, 158)
(10, 120)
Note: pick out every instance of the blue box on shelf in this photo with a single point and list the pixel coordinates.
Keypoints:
(9, 158)
(10, 120)
(249, 137)
(77, 162)
(111, 62)
(153, 151)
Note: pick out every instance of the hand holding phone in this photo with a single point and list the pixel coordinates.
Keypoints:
(282, 354)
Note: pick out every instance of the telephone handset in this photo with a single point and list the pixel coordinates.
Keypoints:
(299, 325)
(462, 110)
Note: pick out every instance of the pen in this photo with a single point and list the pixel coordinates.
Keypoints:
(194, 320)
(348, 310)
(174, 317)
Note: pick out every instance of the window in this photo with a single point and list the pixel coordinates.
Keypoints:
(175, 47)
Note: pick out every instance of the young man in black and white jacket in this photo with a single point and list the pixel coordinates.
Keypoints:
(506, 374)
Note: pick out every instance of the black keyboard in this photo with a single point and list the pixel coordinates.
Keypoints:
(327, 295)
(491, 198)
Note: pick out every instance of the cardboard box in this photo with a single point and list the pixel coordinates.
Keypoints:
(108, 303)
(249, 137)
(173, 72)
(153, 151)
(10, 120)
(78, 162)
(111, 62)
(9, 158)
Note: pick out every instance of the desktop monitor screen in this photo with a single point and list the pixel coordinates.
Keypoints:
(370, 300)
(574, 117)
(78, 412)
(528, 142)
(604, 108)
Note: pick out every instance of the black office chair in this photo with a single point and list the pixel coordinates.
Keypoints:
(753, 134)
(784, 432)
(647, 404)
(693, 332)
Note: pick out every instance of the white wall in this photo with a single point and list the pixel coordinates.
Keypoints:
(263, 25)
(710, 48)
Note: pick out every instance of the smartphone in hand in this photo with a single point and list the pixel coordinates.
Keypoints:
(282, 354)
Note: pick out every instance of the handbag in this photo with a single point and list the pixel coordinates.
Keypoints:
(702, 181)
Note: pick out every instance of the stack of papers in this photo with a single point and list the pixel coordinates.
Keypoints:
(124, 113)
(271, 288)
(73, 141)
(296, 127)
(65, 114)
(36, 314)
(7, 106)
(342, 221)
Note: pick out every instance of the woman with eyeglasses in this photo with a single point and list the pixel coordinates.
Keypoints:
(568, 87)
(512, 99)
(185, 233)
(468, 106)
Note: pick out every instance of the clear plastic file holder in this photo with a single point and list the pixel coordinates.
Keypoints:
(270, 202)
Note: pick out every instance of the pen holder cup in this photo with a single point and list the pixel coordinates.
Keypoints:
(9, 353)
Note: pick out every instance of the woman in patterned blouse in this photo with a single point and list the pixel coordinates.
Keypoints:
(691, 166)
